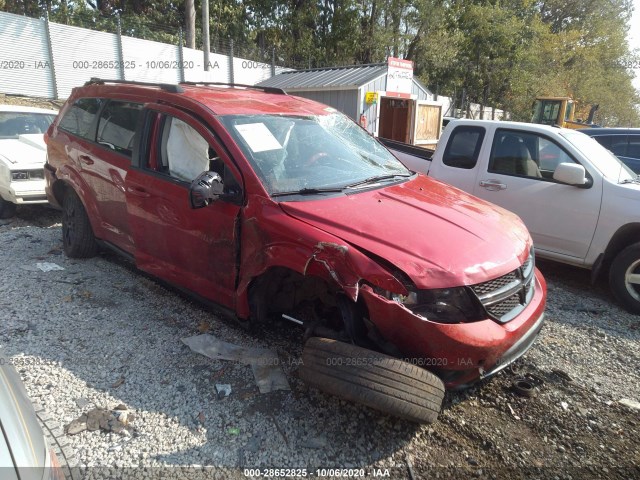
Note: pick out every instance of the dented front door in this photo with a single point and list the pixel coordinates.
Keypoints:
(191, 248)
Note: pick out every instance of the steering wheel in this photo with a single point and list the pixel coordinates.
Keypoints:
(314, 158)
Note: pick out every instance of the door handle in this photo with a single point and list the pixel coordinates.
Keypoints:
(493, 185)
(86, 159)
(138, 192)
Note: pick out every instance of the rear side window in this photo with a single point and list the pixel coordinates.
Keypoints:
(80, 118)
(633, 150)
(464, 147)
(619, 145)
(604, 140)
(117, 126)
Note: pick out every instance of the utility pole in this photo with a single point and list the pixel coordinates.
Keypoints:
(205, 33)
(190, 13)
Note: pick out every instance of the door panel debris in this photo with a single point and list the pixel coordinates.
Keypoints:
(265, 363)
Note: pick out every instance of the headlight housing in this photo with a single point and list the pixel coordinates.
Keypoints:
(442, 305)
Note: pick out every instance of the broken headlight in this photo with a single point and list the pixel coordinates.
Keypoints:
(442, 305)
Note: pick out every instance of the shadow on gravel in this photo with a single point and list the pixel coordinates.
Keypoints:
(32, 215)
(572, 299)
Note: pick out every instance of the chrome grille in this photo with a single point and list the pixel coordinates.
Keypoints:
(505, 297)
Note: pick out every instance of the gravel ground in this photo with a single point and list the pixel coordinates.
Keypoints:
(101, 334)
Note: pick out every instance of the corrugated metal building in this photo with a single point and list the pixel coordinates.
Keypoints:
(345, 89)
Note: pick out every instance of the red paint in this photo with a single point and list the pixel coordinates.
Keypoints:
(437, 235)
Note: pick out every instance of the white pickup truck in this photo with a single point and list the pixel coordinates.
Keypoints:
(580, 203)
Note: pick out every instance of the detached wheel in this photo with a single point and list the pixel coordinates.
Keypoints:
(77, 235)
(624, 278)
(7, 209)
(372, 379)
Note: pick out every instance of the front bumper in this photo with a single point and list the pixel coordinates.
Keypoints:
(24, 192)
(463, 353)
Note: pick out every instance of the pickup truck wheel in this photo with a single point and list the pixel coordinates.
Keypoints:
(77, 236)
(7, 209)
(624, 278)
(372, 379)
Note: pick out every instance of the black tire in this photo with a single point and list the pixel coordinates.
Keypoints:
(372, 379)
(626, 263)
(77, 235)
(7, 209)
(59, 444)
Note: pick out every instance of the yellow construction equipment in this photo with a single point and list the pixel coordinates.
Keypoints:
(560, 111)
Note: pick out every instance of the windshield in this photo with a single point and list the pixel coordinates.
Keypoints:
(13, 124)
(294, 153)
(605, 161)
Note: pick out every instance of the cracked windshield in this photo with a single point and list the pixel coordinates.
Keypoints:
(312, 154)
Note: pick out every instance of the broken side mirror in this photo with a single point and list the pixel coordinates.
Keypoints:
(206, 188)
(571, 174)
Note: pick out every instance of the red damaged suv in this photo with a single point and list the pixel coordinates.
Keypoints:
(269, 205)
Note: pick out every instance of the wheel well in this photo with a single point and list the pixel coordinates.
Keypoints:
(625, 236)
(59, 188)
(282, 290)
(307, 298)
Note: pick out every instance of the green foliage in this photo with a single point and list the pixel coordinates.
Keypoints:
(502, 53)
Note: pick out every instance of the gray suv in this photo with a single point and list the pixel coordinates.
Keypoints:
(623, 142)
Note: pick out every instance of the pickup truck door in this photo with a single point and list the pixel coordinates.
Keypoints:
(517, 174)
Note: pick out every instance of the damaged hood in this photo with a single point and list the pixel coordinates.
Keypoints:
(28, 150)
(438, 235)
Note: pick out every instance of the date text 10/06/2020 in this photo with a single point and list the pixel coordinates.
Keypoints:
(318, 472)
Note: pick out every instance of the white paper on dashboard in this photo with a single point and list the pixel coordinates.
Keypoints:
(258, 137)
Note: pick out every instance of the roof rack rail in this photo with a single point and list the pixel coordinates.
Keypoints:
(241, 85)
(167, 87)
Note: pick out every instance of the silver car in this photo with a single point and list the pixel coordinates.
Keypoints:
(25, 453)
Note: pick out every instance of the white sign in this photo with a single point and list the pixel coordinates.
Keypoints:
(399, 75)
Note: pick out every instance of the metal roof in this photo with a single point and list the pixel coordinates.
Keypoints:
(327, 78)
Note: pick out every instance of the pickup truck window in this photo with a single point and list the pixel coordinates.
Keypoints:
(511, 154)
(526, 154)
(464, 147)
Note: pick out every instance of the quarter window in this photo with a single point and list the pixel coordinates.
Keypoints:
(464, 147)
(80, 118)
(117, 126)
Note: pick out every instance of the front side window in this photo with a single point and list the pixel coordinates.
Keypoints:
(183, 154)
(294, 153)
(464, 147)
(117, 126)
(526, 154)
(80, 118)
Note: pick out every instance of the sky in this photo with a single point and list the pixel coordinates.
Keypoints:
(634, 37)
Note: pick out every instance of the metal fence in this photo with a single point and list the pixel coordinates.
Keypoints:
(46, 59)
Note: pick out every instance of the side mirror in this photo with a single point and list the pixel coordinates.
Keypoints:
(206, 188)
(571, 174)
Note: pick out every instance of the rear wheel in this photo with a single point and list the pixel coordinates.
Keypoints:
(7, 209)
(77, 236)
(372, 379)
(624, 278)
